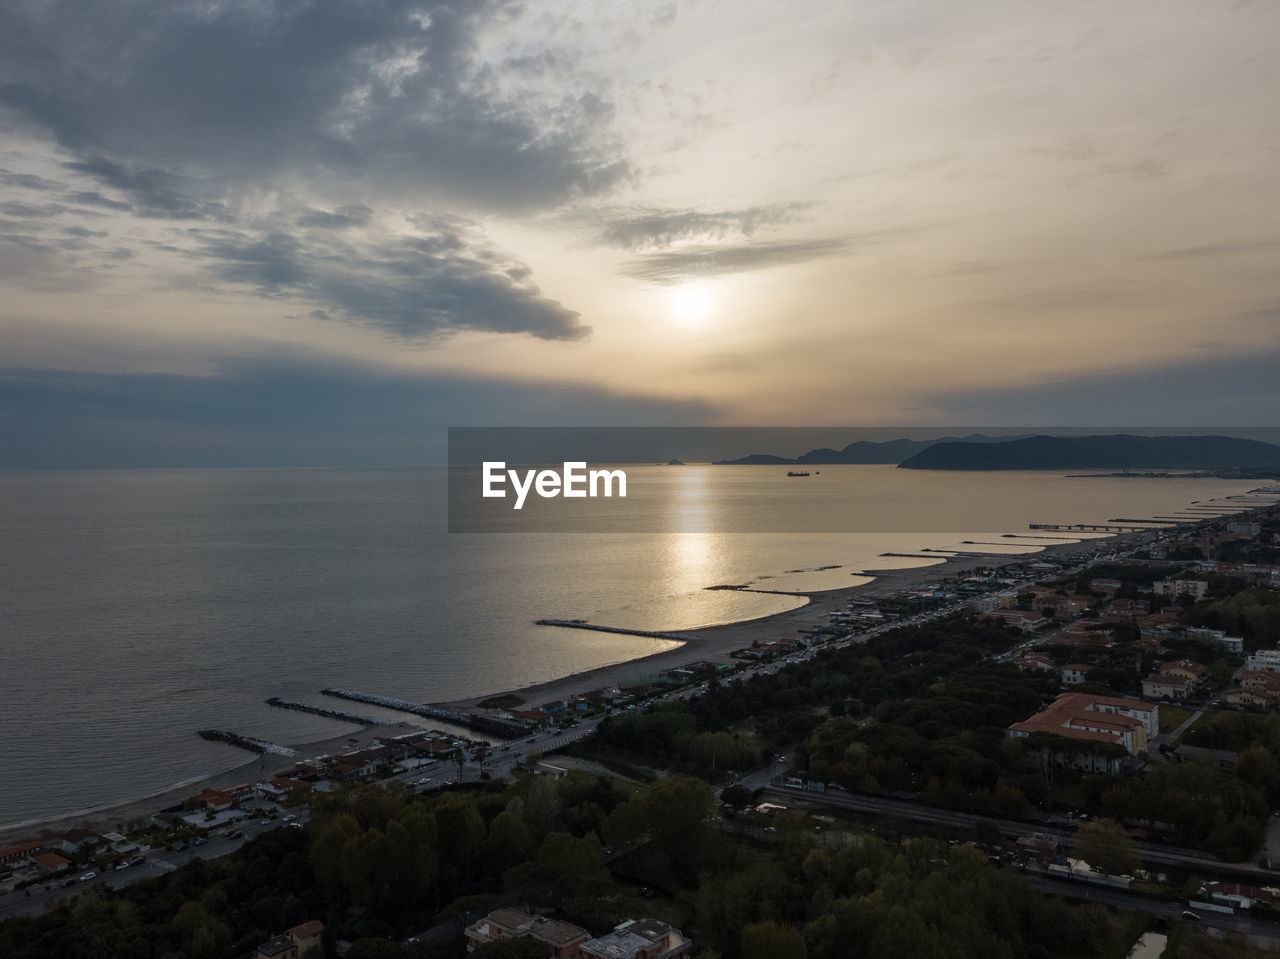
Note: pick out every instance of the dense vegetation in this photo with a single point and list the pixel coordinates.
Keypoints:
(377, 866)
(921, 712)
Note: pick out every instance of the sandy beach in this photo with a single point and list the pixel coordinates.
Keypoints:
(711, 643)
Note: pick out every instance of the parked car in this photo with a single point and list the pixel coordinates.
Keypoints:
(1188, 914)
(88, 875)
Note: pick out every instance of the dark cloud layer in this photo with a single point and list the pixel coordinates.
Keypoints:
(637, 230)
(442, 280)
(682, 265)
(285, 410)
(175, 103)
(192, 113)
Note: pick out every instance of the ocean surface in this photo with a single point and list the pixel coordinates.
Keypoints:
(137, 607)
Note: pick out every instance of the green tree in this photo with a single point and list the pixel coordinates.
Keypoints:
(771, 940)
(1105, 846)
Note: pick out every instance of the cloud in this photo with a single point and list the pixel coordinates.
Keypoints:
(286, 409)
(94, 198)
(1207, 250)
(31, 211)
(648, 229)
(356, 215)
(28, 181)
(679, 266)
(155, 193)
(179, 103)
(36, 263)
(441, 280)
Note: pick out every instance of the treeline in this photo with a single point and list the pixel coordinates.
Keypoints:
(377, 866)
(875, 900)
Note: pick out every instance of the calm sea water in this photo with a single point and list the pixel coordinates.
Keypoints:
(139, 606)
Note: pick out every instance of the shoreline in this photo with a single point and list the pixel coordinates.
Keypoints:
(714, 643)
(711, 643)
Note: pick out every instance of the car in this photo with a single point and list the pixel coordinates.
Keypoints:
(200, 841)
(1188, 914)
(68, 883)
(290, 818)
(265, 822)
(88, 876)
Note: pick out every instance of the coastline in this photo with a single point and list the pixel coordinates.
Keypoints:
(715, 643)
(711, 643)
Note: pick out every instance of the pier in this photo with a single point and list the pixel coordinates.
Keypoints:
(649, 633)
(329, 712)
(1091, 527)
(502, 728)
(245, 742)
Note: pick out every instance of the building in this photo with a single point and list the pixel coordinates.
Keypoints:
(214, 800)
(297, 943)
(562, 939)
(1036, 662)
(1259, 687)
(639, 939)
(1236, 895)
(1073, 673)
(1095, 720)
(75, 840)
(1025, 620)
(1268, 659)
(1231, 644)
(51, 862)
(21, 851)
(1177, 588)
(1166, 685)
(1188, 669)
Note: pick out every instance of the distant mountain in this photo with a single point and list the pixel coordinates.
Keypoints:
(862, 452)
(1120, 451)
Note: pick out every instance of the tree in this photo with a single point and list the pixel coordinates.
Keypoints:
(565, 868)
(1105, 846)
(771, 940)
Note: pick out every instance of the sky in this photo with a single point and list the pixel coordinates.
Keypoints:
(319, 233)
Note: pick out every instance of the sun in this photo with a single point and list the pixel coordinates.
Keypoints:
(691, 304)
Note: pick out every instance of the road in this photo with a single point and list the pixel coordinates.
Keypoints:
(50, 893)
(1261, 930)
(914, 812)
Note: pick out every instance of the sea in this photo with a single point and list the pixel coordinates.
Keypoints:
(137, 607)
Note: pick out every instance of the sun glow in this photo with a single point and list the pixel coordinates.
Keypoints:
(691, 304)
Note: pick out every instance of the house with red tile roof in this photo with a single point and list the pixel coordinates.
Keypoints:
(1095, 720)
